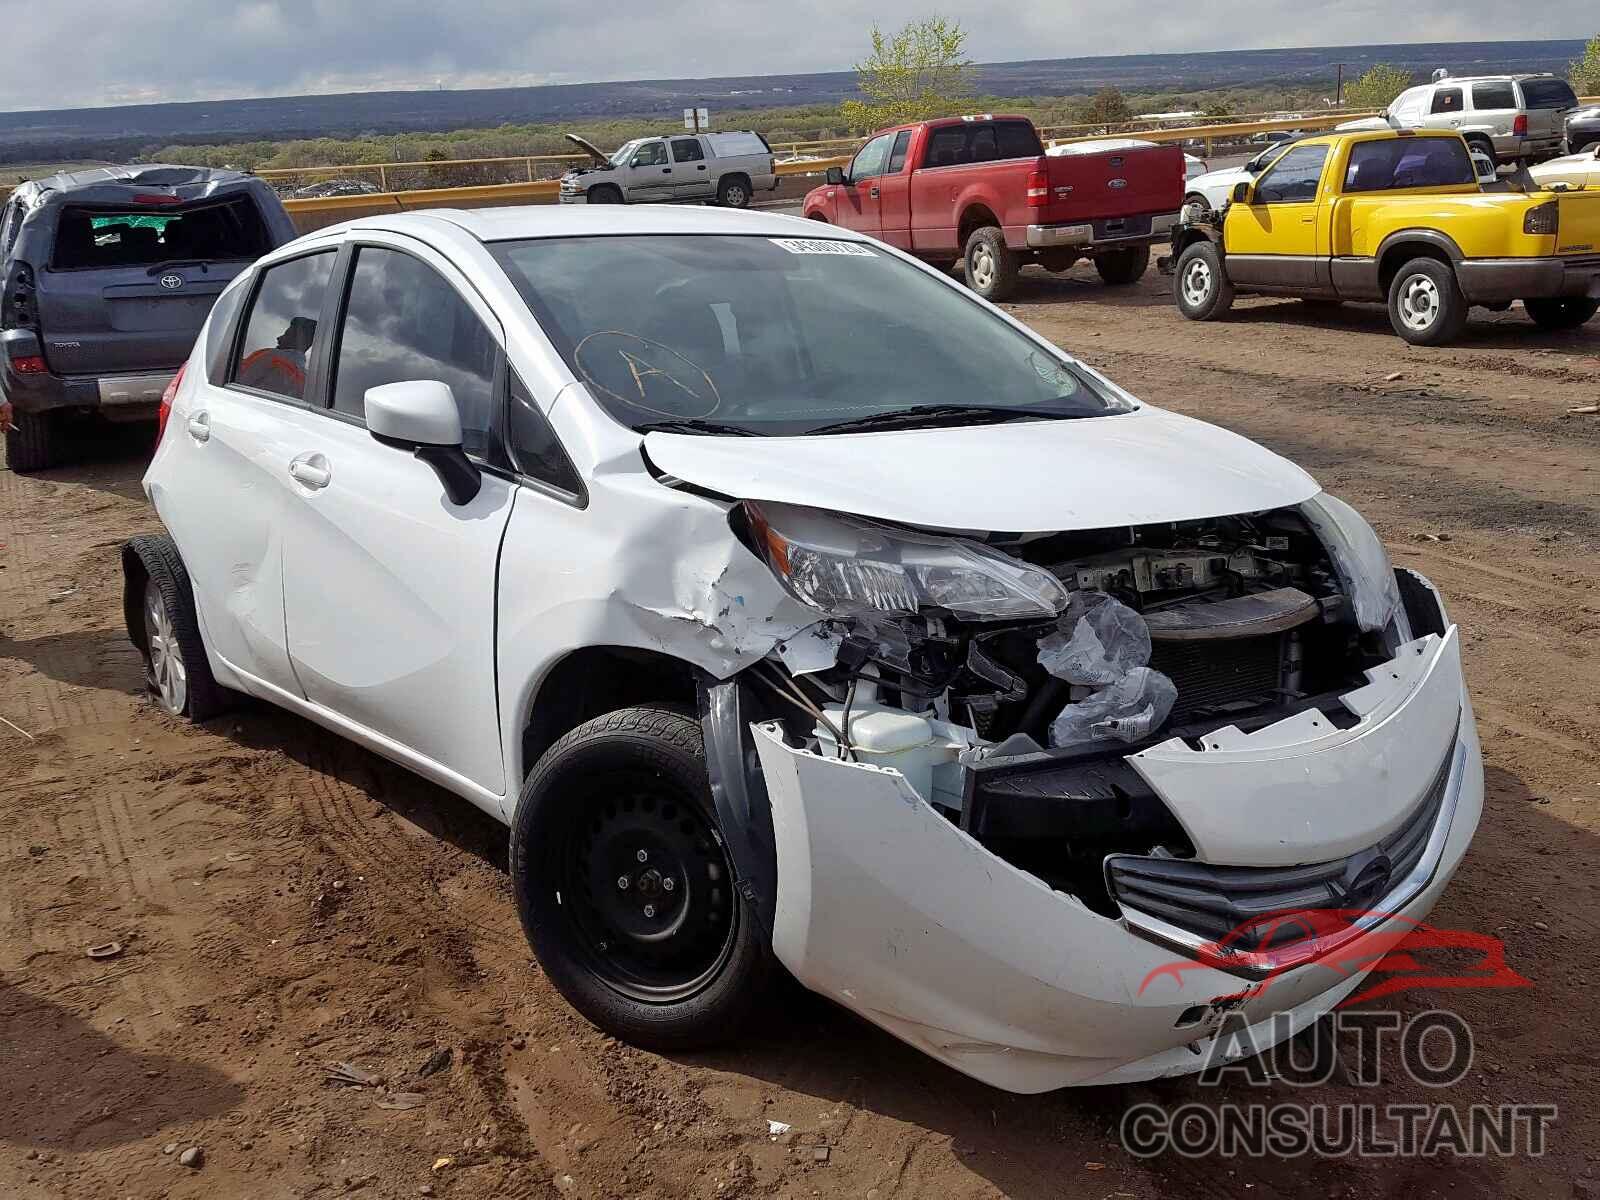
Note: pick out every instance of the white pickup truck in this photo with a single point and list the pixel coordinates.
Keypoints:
(692, 167)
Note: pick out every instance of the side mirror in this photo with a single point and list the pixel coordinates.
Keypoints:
(420, 415)
(1243, 192)
(835, 175)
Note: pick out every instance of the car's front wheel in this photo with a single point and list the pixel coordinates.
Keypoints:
(1560, 314)
(1200, 283)
(625, 888)
(1426, 306)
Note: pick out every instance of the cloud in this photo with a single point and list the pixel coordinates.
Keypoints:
(70, 53)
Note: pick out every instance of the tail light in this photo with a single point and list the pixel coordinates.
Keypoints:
(1038, 189)
(29, 364)
(18, 307)
(167, 398)
(1544, 219)
(1520, 126)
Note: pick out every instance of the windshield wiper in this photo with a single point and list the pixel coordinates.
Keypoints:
(933, 416)
(203, 263)
(690, 425)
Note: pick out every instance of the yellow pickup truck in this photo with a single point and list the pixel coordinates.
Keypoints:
(1393, 215)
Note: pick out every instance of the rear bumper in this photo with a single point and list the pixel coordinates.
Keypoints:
(889, 908)
(1495, 280)
(1093, 235)
(129, 396)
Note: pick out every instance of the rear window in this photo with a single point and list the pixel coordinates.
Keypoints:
(1493, 96)
(981, 141)
(1408, 163)
(1548, 93)
(729, 145)
(98, 237)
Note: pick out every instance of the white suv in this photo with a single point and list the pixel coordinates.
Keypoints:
(1511, 118)
(789, 602)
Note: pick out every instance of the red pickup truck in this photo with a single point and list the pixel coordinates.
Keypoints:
(982, 191)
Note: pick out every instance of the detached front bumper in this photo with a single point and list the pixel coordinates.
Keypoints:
(889, 908)
(1496, 280)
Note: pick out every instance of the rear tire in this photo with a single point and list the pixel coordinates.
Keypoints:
(625, 888)
(1559, 315)
(734, 192)
(1484, 144)
(991, 267)
(1201, 285)
(1119, 268)
(168, 634)
(1426, 306)
(36, 443)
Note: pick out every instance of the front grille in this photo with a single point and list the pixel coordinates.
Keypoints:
(1227, 904)
(1215, 677)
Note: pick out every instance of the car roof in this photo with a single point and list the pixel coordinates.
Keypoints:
(563, 220)
(138, 175)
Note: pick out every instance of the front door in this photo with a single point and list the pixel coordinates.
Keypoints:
(650, 174)
(860, 206)
(1274, 241)
(389, 588)
(894, 195)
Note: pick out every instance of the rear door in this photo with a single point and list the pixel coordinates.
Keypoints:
(127, 289)
(690, 170)
(219, 480)
(389, 588)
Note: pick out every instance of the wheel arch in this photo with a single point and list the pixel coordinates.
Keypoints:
(976, 215)
(1401, 247)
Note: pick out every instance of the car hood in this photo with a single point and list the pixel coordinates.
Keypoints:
(589, 148)
(1139, 468)
(1220, 178)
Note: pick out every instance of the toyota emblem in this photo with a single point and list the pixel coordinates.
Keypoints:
(172, 282)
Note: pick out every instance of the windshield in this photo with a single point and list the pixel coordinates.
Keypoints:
(620, 157)
(782, 335)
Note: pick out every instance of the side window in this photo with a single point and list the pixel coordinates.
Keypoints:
(1493, 97)
(1409, 105)
(1294, 177)
(1017, 139)
(281, 328)
(871, 158)
(687, 150)
(532, 444)
(982, 143)
(403, 322)
(897, 156)
(946, 146)
(651, 154)
(1408, 163)
(1447, 100)
(10, 222)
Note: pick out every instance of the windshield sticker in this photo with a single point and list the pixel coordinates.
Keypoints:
(647, 375)
(822, 246)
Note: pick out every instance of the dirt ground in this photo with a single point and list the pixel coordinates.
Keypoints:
(286, 901)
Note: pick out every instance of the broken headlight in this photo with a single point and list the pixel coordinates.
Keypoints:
(1359, 559)
(849, 567)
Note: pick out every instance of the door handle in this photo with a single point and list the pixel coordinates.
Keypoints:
(873, 193)
(666, 170)
(200, 426)
(701, 167)
(312, 471)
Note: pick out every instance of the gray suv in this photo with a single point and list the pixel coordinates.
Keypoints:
(1512, 118)
(727, 168)
(106, 277)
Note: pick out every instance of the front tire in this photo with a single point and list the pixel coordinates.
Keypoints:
(991, 267)
(177, 671)
(36, 442)
(1426, 306)
(1201, 285)
(605, 194)
(1120, 268)
(1560, 315)
(625, 888)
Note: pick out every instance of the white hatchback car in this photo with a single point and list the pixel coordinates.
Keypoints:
(789, 602)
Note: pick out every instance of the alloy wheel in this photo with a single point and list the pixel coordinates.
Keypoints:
(1197, 283)
(1420, 303)
(169, 678)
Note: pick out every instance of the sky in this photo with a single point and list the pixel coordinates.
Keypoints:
(70, 53)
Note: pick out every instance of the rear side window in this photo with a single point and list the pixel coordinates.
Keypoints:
(281, 329)
(1293, 178)
(1408, 163)
(87, 238)
(404, 322)
(1448, 100)
(981, 141)
(1548, 93)
(686, 150)
(897, 156)
(1490, 97)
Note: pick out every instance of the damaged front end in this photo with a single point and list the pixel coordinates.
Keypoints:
(1014, 775)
